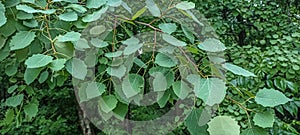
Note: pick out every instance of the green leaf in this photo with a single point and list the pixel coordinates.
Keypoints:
(94, 90)
(153, 8)
(254, 131)
(95, 15)
(21, 40)
(237, 70)
(38, 60)
(185, 5)
(212, 45)
(31, 74)
(78, 8)
(64, 49)
(57, 64)
(97, 30)
(99, 43)
(270, 98)
(169, 74)
(211, 90)
(165, 60)
(12, 89)
(43, 76)
(108, 103)
(117, 71)
(192, 123)
(69, 16)
(31, 109)
(14, 101)
(113, 54)
(131, 41)
(168, 28)
(139, 13)
(159, 82)
(24, 16)
(95, 3)
(114, 3)
(120, 111)
(163, 98)
(132, 85)
(223, 125)
(9, 116)
(181, 89)
(29, 9)
(69, 36)
(264, 119)
(130, 49)
(187, 32)
(173, 41)
(82, 44)
(3, 18)
(77, 68)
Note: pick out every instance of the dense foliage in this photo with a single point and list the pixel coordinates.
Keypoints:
(49, 48)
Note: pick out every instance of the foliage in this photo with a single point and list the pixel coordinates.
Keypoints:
(40, 42)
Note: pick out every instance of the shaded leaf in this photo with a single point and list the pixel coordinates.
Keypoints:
(132, 85)
(31, 74)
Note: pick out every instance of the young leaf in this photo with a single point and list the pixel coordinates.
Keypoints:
(38, 60)
(270, 98)
(153, 8)
(108, 103)
(139, 13)
(173, 41)
(264, 119)
(31, 74)
(77, 68)
(185, 5)
(21, 40)
(223, 125)
(69, 16)
(212, 45)
(168, 27)
(165, 61)
(237, 70)
(3, 18)
(14, 101)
